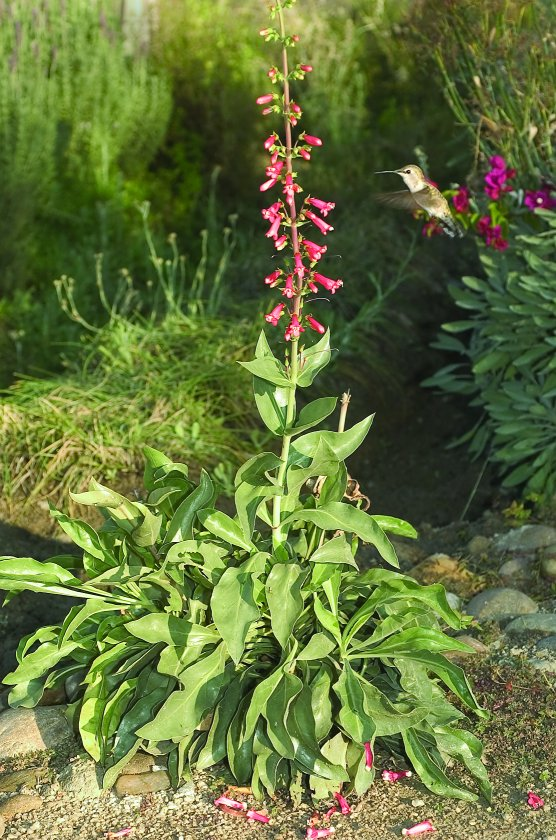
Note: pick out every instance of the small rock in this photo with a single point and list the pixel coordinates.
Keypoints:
(185, 791)
(516, 569)
(418, 803)
(142, 783)
(500, 603)
(12, 781)
(538, 623)
(140, 763)
(548, 563)
(2, 826)
(454, 600)
(25, 731)
(478, 545)
(548, 665)
(546, 644)
(21, 803)
(527, 538)
(82, 779)
(476, 644)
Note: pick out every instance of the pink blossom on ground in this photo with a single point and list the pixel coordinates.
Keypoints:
(534, 801)
(294, 328)
(343, 803)
(123, 832)
(369, 757)
(395, 775)
(540, 199)
(305, 154)
(312, 140)
(419, 828)
(272, 279)
(281, 242)
(461, 200)
(324, 206)
(272, 318)
(330, 813)
(323, 226)
(257, 816)
(231, 803)
(315, 325)
(314, 251)
(317, 833)
(288, 290)
(330, 285)
(265, 99)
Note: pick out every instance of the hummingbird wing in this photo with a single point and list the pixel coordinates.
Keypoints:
(402, 200)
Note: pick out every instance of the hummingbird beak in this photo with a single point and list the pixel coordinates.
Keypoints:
(387, 172)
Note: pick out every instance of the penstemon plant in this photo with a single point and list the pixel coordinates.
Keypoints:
(256, 639)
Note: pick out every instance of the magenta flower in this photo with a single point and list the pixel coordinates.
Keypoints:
(265, 99)
(534, 801)
(290, 188)
(330, 813)
(461, 200)
(272, 279)
(317, 833)
(288, 290)
(431, 228)
(324, 206)
(396, 775)
(419, 828)
(323, 226)
(270, 141)
(535, 199)
(305, 154)
(299, 267)
(369, 757)
(307, 68)
(272, 72)
(483, 225)
(272, 317)
(122, 832)
(281, 242)
(496, 178)
(311, 140)
(294, 328)
(343, 803)
(330, 285)
(230, 803)
(314, 251)
(296, 108)
(499, 244)
(257, 816)
(318, 328)
(268, 184)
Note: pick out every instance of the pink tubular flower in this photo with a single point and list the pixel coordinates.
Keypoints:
(266, 111)
(299, 267)
(271, 72)
(257, 816)
(323, 226)
(330, 285)
(281, 242)
(330, 813)
(314, 251)
(419, 828)
(294, 328)
(123, 832)
(288, 290)
(315, 325)
(369, 757)
(290, 188)
(231, 803)
(343, 803)
(305, 154)
(272, 279)
(324, 206)
(274, 316)
(272, 232)
(270, 141)
(307, 68)
(296, 108)
(534, 801)
(496, 178)
(540, 199)
(317, 833)
(268, 184)
(461, 200)
(396, 775)
(311, 140)
(265, 99)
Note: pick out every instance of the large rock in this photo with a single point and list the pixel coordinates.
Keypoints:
(517, 569)
(25, 731)
(539, 623)
(500, 603)
(528, 538)
(82, 778)
(21, 803)
(142, 783)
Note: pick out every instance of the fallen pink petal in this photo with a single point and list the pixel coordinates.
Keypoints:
(231, 803)
(257, 816)
(123, 832)
(317, 833)
(395, 775)
(343, 803)
(419, 828)
(534, 800)
(331, 811)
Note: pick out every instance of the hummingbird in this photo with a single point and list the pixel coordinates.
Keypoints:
(420, 195)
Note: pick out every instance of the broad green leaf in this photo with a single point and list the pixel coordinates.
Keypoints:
(39, 662)
(234, 609)
(283, 595)
(337, 516)
(453, 676)
(328, 620)
(353, 716)
(25, 573)
(337, 551)
(320, 702)
(26, 694)
(172, 630)
(390, 718)
(148, 531)
(342, 443)
(239, 745)
(312, 414)
(271, 403)
(464, 745)
(301, 728)
(247, 499)
(428, 770)
(185, 708)
(153, 460)
(181, 525)
(82, 535)
(269, 369)
(255, 469)
(318, 647)
(214, 749)
(224, 527)
(93, 606)
(314, 359)
(259, 698)
(407, 642)
(395, 526)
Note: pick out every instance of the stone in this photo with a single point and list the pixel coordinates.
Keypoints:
(547, 665)
(538, 623)
(24, 731)
(454, 600)
(30, 777)
(186, 791)
(500, 603)
(82, 779)
(2, 826)
(548, 563)
(140, 763)
(142, 783)
(21, 803)
(478, 646)
(518, 569)
(527, 538)
(546, 644)
(479, 545)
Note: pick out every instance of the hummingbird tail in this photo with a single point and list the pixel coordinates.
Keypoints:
(451, 227)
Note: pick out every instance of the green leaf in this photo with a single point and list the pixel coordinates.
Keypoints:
(172, 630)
(214, 749)
(82, 535)
(314, 359)
(342, 443)
(336, 551)
(353, 716)
(395, 526)
(239, 745)
(320, 702)
(428, 770)
(17, 573)
(408, 642)
(269, 369)
(39, 662)
(271, 403)
(181, 525)
(93, 606)
(318, 647)
(224, 527)
(234, 609)
(312, 414)
(328, 620)
(283, 595)
(337, 516)
(184, 709)
(464, 745)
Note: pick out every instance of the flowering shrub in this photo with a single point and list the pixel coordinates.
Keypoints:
(257, 639)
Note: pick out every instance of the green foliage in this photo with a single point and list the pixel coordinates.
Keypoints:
(507, 341)
(497, 63)
(209, 637)
(81, 116)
